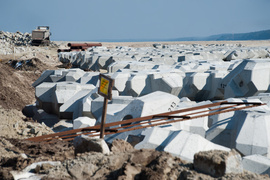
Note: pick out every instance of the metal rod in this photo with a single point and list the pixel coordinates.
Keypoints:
(148, 121)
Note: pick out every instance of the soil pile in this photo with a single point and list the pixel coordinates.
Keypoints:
(130, 164)
(18, 154)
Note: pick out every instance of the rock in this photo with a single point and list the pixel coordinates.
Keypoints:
(130, 171)
(119, 145)
(84, 144)
(217, 163)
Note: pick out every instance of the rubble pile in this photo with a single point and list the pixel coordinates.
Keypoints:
(18, 43)
(12, 43)
(18, 38)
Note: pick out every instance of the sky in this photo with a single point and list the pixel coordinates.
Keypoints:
(114, 20)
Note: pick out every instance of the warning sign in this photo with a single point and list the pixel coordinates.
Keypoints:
(105, 86)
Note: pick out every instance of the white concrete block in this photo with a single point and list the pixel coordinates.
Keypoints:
(71, 108)
(153, 103)
(59, 75)
(74, 74)
(196, 86)
(82, 122)
(249, 78)
(155, 138)
(186, 144)
(45, 77)
(137, 85)
(167, 82)
(253, 135)
(120, 79)
(257, 163)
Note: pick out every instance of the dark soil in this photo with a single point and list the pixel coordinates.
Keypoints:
(56, 150)
(16, 89)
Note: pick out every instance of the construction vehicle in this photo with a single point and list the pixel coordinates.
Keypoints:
(41, 36)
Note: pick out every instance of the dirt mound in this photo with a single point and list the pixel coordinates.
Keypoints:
(16, 80)
(136, 164)
(19, 154)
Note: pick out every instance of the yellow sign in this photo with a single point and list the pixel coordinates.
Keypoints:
(104, 86)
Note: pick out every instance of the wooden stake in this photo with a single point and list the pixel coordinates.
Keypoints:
(103, 120)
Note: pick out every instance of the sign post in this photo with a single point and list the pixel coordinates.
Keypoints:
(105, 90)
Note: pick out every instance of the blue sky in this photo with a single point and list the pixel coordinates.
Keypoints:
(83, 20)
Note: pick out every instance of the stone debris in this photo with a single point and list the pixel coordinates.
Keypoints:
(120, 145)
(84, 144)
(27, 173)
(18, 38)
(218, 163)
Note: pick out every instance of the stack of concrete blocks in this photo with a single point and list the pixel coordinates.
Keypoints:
(78, 105)
(101, 57)
(247, 53)
(59, 75)
(179, 143)
(153, 103)
(249, 78)
(197, 126)
(66, 92)
(89, 78)
(132, 65)
(245, 130)
(140, 83)
(166, 81)
(222, 127)
(51, 96)
(200, 86)
(118, 103)
(90, 62)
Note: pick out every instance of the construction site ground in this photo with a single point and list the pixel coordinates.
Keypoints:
(16, 153)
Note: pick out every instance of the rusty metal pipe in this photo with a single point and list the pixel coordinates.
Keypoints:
(157, 121)
(154, 120)
(63, 50)
(83, 44)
